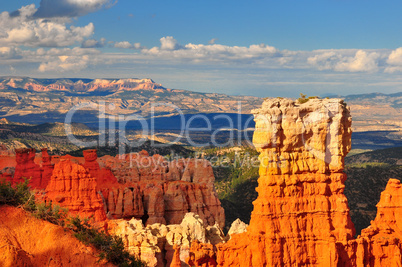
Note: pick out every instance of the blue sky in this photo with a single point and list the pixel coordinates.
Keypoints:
(262, 48)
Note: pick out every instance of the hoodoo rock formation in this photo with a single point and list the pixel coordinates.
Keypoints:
(47, 167)
(379, 244)
(165, 245)
(301, 216)
(27, 168)
(157, 191)
(168, 213)
(72, 186)
(301, 211)
(135, 185)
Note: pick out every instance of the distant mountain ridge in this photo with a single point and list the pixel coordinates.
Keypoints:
(24, 99)
(79, 85)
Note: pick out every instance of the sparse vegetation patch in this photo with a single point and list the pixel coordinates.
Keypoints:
(111, 246)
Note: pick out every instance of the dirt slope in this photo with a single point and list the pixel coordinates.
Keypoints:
(27, 241)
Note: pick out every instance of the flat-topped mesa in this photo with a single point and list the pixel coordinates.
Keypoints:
(85, 85)
(301, 212)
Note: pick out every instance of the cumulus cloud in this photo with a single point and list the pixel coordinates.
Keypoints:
(128, 45)
(169, 43)
(10, 53)
(23, 30)
(324, 61)
(62, 60)
(70, 8)
(92, 43)
(362, 61)
(213, 52)
(395, 58)
(65, 63)
(395, 61)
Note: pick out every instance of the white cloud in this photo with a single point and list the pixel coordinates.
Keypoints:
(65, 63)
(128, 45)
(170, 49)
(62, 60)
(362, 61)
(324, 61)
(169, 43)
(10, 53)
(395, 58)
(339, 60)
(92, 43)
(395, 61)
(70, 8)
(23, 30)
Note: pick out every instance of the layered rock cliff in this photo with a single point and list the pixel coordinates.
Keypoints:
(120, 97)
(72, 186)
(84, 85)
(126, 186)
(27, 168)
(379, 244)
(156, 243)
(301, 216)
(146, 191)
(301, 211)
(157, 191)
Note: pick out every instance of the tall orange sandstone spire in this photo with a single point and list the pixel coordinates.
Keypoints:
(301, 216)
(301, 211)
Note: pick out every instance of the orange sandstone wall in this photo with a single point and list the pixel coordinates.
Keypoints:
(141, 186)
(301, 211)
(71, 186)
(301, 216)
(380, 243)
(158, 191)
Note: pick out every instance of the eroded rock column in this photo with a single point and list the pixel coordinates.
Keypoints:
(301, 212)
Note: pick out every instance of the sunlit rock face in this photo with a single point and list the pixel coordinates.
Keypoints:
(28, 241)
(26, 168)
(301, 216)
(137, 185)
(301, 212)
(293, 138)
(72, 186)
(157, 191)
(380, 243)
(156, 244)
